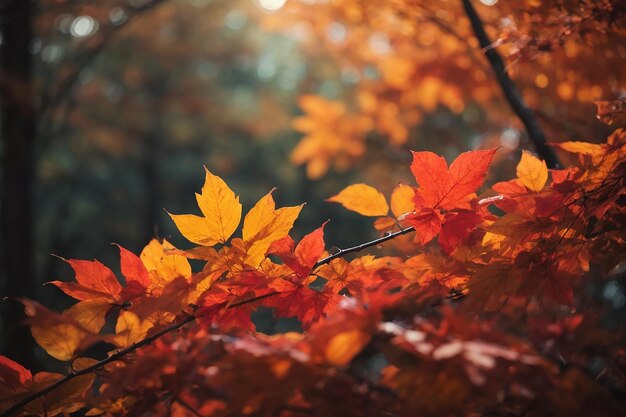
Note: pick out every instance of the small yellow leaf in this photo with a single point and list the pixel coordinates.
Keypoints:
(163, 264)
(532, 172)
(258, 217)
(581, 147)
(61, 341)
(221, 214)
(130, 329)
(344, 346)
(402, 200)
(263, 225)
(363, 199)
(89, 314)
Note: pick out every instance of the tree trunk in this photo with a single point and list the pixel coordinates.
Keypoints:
(17, 130)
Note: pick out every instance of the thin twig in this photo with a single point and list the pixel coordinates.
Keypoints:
(188, 406)
(148, 340)
(119, 354)
(358, 248)
(533, 129)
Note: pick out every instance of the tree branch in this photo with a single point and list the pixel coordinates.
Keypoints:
(533, 129)
(65, 86)
(148, 340)
(358, 248)
(119, 354)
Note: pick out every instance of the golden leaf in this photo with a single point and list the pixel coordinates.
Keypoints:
(221, 210)
(532, 172)
(362, 198)
(263, 225)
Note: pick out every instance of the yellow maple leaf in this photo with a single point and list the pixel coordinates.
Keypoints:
(221, 214)
(263, 225)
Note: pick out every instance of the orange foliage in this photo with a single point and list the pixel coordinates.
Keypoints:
(529, 258)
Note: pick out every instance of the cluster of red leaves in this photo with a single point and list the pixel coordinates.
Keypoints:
(382, 336)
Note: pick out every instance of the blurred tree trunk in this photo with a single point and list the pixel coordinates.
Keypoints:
(153, 209)
(17, 130)
(151, 159)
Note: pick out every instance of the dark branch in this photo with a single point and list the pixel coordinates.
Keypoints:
(533, 129)
(358, 248)
(188, 407)
(148, 340)
(119, 354)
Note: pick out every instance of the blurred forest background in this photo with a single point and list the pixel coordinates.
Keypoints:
(110, 108)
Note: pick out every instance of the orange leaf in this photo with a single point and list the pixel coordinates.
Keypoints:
(67, 398)
(342, 347)
(456, 228)
(301, 259)
(583, 148)
(363, 199)
(311, 247)
(59, 335)
(12, 374)
(445, 188)
(427, 224)
(95, 282)
(135, 272)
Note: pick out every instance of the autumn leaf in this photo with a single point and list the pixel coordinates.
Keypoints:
(402, 200)
(137, 277)
(585, 148)
(89, 314)
(59, 335)
(427, 224)
(440, 187)
(221, 214)
(306, 304)
(95, 282)
(342, 347)
(163, 263)
(66, 399)
(491, 285)
(130, 329)
(16, 382)
(265, 224)
(532, 171)
(12, 374)
(456, 228)
(301, 259)
(363, 199)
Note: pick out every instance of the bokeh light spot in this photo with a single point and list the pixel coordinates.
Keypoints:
(272, 5)
(83, 27)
